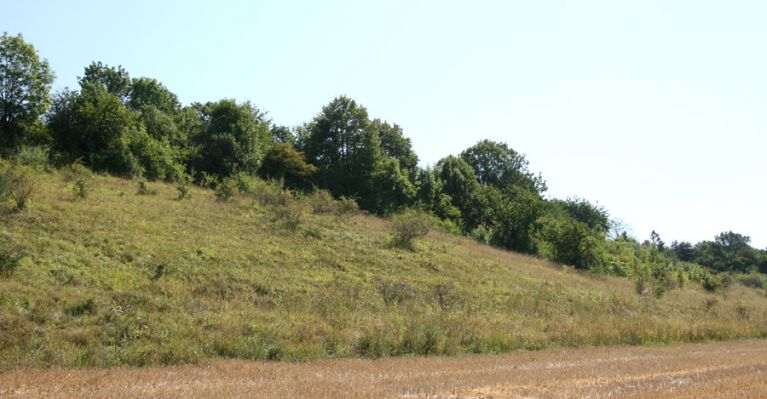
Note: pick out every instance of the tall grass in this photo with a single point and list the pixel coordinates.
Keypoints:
(122, 279)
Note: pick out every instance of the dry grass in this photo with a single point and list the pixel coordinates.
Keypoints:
(726, 370)
(117, 279)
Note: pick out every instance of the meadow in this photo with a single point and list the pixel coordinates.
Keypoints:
(111, 272)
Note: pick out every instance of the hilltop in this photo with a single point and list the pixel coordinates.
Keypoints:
(119, 278)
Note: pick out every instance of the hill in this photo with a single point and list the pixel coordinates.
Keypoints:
(118, 278)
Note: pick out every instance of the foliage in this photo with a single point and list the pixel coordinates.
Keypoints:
(409, 226)
(144, 188)
(284, 162)
(395, 145)
(36, 157)
(232, 138)
(498, 165)
(459, 183)
(593, 216)
(512, 213)
(570, 241)
(16, 185)
(25, 83)
(183, 185)
(114, 80)
(227, 189)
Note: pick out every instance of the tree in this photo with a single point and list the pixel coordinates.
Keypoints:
(395, 144)
(512, 215)
(683, 250)
(25, 84)
(728, 252)
(335, 142)
(91, 126)
(115, 80)
(149, 92)
(593, 216)
(232, 138)
(499, 165)
(459, 182)
(284, 162)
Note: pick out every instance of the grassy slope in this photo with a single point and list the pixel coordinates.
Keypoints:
(120, 278)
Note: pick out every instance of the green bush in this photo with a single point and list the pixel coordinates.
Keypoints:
(227, 189)
(16, 185)
(409, 226)
(289, 216)
(33, 156)
(9, 260)
(753, 280)
(144, 189)
(322, 202)
(183, 185)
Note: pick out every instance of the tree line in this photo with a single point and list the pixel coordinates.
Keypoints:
(137, 127)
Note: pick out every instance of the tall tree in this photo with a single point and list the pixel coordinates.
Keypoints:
(395, 144)
(115, 80)
(499, 165)
(459, 182)
(231, 138)
(335, 142)
(25, 83)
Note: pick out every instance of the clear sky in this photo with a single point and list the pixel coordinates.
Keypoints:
(657, 110)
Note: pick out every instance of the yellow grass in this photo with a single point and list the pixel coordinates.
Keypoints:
(723, 370)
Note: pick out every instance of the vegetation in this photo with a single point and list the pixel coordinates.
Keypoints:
(287, 267)
(117, 278)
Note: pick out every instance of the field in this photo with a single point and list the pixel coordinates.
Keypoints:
(114, 278)
(721, 370)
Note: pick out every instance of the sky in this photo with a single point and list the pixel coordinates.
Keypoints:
(655, 110)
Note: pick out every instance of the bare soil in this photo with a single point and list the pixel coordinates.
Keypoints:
(716, 370)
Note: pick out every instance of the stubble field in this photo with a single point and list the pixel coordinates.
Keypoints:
(717, 370)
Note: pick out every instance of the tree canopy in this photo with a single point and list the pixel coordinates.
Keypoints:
(25, 84)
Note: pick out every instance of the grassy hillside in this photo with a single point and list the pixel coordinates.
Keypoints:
(121, 278)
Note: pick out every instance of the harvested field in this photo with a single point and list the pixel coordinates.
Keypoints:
(721, 370)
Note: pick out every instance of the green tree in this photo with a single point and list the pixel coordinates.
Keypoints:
(336, 143)
(115, 80)
(512, 214)
(499, 165)
(231, 138)
(149, 92)
(459, 182)
(568, 241)
(282, 161)
(91, 126)
(25, 83)
(593, 216)
(395, 144)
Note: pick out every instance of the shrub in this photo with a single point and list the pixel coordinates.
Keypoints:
(183, 185)
(226, 189)
(396, 292)
(752, 280)
(15, 184)
(289, 216)
(711, 282)
(408, 226)
(80, 188)
(322, 202)
(33, 156)
(9, 260)
(144, 189)
(347, 206)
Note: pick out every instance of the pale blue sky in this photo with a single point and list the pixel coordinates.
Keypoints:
(653, 109)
